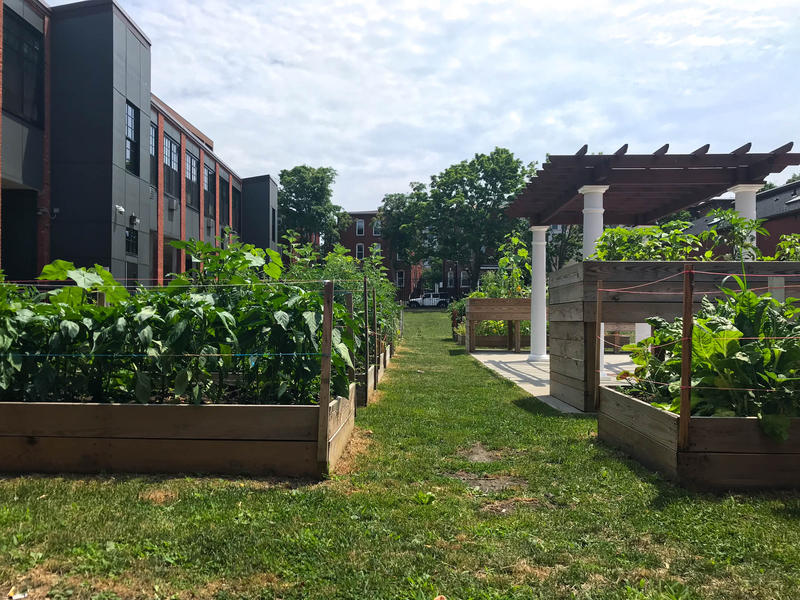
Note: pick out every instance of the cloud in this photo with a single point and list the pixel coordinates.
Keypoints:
(392, 92)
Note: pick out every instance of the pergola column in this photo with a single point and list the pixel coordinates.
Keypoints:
(745, 202)
(592, 230)
(592, 216)
(539, 294)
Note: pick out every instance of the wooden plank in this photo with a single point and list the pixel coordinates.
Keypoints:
(518, 336)
(739, 434)
(498, 309)
(665, 291)
(571, 292)
(573, 367)
(566, 330)
(471, 326)
(729, 471)
(573, 382)
(656, 424)
(96, 455)
(566, 347)
(637, 445)
(340, 435)
(573, 397)
(638, 271)
(325, 377)
(636, 312)
(565, 276)
(569, 311)
(153, 421)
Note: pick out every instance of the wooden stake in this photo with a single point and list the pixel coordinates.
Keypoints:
(686, 359)
(325, 379)
(348, 303)
(366, 344)
(598, 344)
(375, 333)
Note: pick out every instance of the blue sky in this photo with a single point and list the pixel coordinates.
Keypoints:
(392, 92)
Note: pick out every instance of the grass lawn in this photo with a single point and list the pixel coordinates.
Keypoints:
(539, 510)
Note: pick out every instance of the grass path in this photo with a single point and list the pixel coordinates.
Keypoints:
(551, 514)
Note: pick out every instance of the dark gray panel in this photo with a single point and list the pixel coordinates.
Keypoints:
(131, 196)
(32, 17)
(118, 129)
(18, 6)
(147, 199)
(255, 211)
(120, 51)
(172, 217)
(19, 234)
(192, 224)
(133, 69)
(209, 161)
(22, 153)
(193, 148)
(118, 239)
(172, 131)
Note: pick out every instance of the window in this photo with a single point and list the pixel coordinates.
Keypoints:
(360, 251)
(237, 210)
(451, 279)
(210, 192)
(274, 225)
(172, 184)
(23, 69)
(376, 228)
(192, 182)
(131, 241)
(397, 256)
(131, 275)
(400, 278)
(153, 153)
(360, 227)
(464, 278)
(224, 203)
(132, 138)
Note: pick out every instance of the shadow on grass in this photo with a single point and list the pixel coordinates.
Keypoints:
(263, 481)
(457, 352)
(535, 406)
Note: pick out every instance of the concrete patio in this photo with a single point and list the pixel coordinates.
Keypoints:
(534, 377)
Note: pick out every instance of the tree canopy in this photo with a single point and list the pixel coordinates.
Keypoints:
(305, 199)
(460, 215)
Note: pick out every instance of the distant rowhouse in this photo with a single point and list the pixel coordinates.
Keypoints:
(97, 169)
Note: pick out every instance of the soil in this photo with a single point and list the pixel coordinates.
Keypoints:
(489, 483)
(478, 454)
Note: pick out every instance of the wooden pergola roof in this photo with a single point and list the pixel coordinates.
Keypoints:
(643, 187)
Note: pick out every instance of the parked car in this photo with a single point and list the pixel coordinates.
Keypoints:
(440, 300)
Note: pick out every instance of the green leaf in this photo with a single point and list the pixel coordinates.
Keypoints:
(182, 381)
(313, 320)
(143, 387)
(84, 279)
(69, 329)
(146, 313)
(56, 270)
(775, 426)
(282, 318)
(146, 335)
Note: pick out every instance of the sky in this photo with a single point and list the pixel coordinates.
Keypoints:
(393, 92)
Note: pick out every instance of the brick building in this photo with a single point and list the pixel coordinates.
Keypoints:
(363, 233)
(97, 169)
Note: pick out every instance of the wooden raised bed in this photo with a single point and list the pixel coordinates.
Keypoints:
(723, 452)
(573, 309)
(510, 310)
(493, 341)
(364, 395)
(53, 437)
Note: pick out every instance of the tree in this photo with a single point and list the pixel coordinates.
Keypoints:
(564, 246)
(793, 178)
(402, 218)
(305, 200)
(768, 186)
(464, 216)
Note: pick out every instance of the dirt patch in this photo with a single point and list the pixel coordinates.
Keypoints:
(524, 571)
(158, 496)
(508, 506)
(479, 454)
(359, 443)
(489, 483)
(376, 397)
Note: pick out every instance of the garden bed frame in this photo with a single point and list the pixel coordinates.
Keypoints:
(722, 453)
(510, 310)
(302, 440)
(574, 376)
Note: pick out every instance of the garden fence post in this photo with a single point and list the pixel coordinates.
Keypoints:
(375, 333)
(325, 379)
(686, 358)
(366, 343)
(598, 344)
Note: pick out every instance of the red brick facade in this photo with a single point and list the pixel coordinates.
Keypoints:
(360, 237)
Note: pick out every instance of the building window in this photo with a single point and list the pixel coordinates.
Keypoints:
(274, 225)
(237, 210)
(451, 279)
(23, 69)
(376, 228)
(131, 275)
(224, 203)
(210, 192)
(131, 241)
(465, 279)
(360, 251)
(154, 154)
(401, 279)
(192, 182)
(132, 138)
(360, 227)
(172, 184)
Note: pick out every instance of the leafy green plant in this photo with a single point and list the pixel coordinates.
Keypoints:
(732, 236)
(655, 242)
(745, 360)
(788, 247)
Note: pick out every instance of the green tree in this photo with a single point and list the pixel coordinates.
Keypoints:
(305, 199)
(402, 218)
(564, 246)
(793, 178)
(464, 215)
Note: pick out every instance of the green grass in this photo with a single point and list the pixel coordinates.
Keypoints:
(588, 523)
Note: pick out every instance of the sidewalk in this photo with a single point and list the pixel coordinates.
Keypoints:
(534, 377)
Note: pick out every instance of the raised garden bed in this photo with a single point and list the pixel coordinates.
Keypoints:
(723, 452)
(54, 437)
(511, 310)
(492, 341)
(364, 396)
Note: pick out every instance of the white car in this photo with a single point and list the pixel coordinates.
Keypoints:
(429, 299)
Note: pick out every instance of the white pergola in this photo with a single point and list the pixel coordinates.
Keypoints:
(624, 189)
